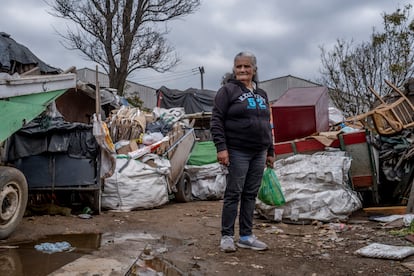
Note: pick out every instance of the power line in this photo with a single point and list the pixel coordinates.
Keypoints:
(161, 78)
(166, 75)
(169, 75)
(172, 78)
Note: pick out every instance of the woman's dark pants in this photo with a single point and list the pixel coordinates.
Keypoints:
(243, 182)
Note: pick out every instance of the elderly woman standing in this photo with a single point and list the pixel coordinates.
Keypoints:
(241, 131)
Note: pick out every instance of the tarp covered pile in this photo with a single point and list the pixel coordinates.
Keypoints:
(192, 100)
(315, 188)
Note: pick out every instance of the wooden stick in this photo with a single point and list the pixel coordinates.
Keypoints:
(97, 97)
(376, 95)
(401, 93)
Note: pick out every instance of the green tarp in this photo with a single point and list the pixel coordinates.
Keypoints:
(17, 111)
(203, 153)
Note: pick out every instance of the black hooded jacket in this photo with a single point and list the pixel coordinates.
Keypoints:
(241, 119)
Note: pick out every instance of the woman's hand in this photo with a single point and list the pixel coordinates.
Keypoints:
(269, 161)
(223, 157)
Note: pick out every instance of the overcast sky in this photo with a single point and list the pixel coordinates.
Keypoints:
(285, 35)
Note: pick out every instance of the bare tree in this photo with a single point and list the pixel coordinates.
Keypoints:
(350, 70)
(123, 35)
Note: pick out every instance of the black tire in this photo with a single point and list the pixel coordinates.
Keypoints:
(184, 192)
(13, 199)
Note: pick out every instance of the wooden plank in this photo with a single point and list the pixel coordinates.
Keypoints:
(388, 210)
(36, 85)
(362, 181)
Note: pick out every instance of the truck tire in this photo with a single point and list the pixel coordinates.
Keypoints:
(13, 199)
(184, 192)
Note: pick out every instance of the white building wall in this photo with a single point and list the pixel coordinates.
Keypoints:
(145, 93)
(89, 76)
(277, 86)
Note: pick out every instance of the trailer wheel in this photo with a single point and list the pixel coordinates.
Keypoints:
(13, 199)
(183, 193)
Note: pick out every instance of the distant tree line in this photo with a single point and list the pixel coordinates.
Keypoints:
(349, 70)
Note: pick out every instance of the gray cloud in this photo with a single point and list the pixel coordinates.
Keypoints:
(285, 35)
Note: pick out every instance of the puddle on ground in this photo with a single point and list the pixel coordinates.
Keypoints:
(148, 264)
(155, 266)
(20, 259)
(23, 259)
(151, 261)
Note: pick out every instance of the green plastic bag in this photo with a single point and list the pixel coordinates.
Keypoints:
(270, 191)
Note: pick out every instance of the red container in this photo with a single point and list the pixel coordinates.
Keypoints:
(363, 167)
(300, 112)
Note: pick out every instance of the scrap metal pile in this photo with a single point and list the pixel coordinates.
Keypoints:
(392, 121)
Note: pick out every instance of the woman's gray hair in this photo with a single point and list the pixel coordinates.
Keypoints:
(253, 61)
(226, 77)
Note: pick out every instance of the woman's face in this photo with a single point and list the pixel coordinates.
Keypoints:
(243, 69)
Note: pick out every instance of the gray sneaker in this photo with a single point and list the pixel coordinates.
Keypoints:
(227, 244)
(252, 243)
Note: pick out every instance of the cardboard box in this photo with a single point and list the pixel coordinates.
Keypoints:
(174, 134)
(131, 146)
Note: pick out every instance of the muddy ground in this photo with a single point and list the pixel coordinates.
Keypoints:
(191, 233)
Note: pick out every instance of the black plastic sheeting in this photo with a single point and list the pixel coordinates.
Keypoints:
(396, 160)
(12, 52)
(47, 135)
(192, 100)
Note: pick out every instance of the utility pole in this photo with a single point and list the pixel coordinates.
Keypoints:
(201, 69)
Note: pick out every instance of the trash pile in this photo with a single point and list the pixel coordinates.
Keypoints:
(362, 161)
(392, 122)
(158, 159)
(147, 144)
(396, 160)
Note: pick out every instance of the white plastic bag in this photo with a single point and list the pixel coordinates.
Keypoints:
(384, 251)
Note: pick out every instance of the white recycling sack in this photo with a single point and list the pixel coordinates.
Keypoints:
(315, 188)
(135, 185)
(385, 251)
(208, 182)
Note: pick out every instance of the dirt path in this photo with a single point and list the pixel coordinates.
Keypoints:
(191, 231)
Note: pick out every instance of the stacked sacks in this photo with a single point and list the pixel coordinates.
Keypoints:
(208, 177)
